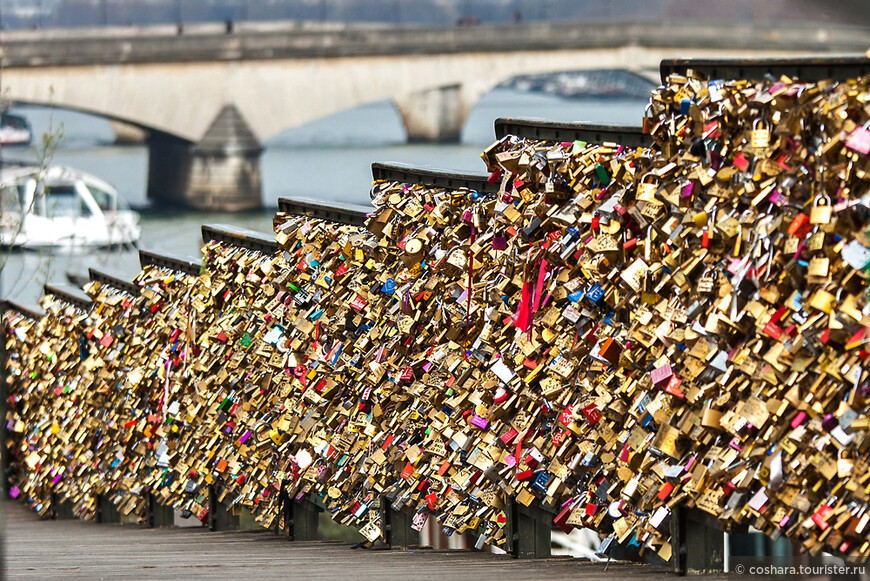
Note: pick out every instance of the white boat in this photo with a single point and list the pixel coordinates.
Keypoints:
(62, 207)
(14, 130)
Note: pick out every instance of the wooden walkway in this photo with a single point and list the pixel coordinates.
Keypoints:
(67, 549)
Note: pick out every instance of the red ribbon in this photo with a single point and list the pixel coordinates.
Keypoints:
(468, 290)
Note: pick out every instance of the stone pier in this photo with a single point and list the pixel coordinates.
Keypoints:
(221, 172)
(436, 115)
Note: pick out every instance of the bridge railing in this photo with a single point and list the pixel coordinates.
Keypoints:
(69, 294)
(335, 214)
(243, 237)
(164, 44)
(802, 68)
(171, 261)
(113, 279)
(458, 367)
(397, 172)
(34, 313)
(628, 136)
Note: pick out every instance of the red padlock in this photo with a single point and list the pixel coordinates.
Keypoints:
(800, 226)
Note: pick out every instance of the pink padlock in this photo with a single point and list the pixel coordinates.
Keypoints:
(661, 374)
(859, 140)
(798, 419)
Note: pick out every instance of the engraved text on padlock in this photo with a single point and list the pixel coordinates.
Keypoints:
(759, 137)
(707, 281)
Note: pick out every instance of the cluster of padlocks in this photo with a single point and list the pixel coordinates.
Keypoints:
(604, 331)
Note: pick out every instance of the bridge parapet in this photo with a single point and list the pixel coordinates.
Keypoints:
(290, 40)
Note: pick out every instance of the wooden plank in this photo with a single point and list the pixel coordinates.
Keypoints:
(86, 550)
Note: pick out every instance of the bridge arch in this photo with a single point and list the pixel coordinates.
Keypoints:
(114, 120)
(191, 90)
(433, 93)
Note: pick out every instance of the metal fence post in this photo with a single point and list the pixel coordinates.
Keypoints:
(303, 519)
(396, 525)
(212, 508)
(61, 507)
(698, 544)
(219, 518)
(529, 531)
(158, 515)
(106, 511)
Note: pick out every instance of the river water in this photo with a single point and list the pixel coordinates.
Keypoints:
(328, 161)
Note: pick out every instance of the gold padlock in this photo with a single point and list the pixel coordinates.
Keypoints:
(647, 188)
(821, 212)
(759, 137)
(707, 281)
(818, 266)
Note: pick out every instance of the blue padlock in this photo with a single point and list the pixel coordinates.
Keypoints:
(633, 544)
(647, 420)
(595, 294)
(684, 106)
(541, 481)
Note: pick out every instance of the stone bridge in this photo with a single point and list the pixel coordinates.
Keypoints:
(208, 98)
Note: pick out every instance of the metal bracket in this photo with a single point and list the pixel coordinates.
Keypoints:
(170, 261)
(105, 510)
(114, 280)
(285, 511)
(554, 131)
(61, 507)
(805, 69)
(219, 518)
(242, 237)
(529, 530)
(158, 515)
(432, 177)
(303, 521)
(31, 312)
(396, 526)
(301, 517)
(70, 294)
(335, 214)
(697, 542)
